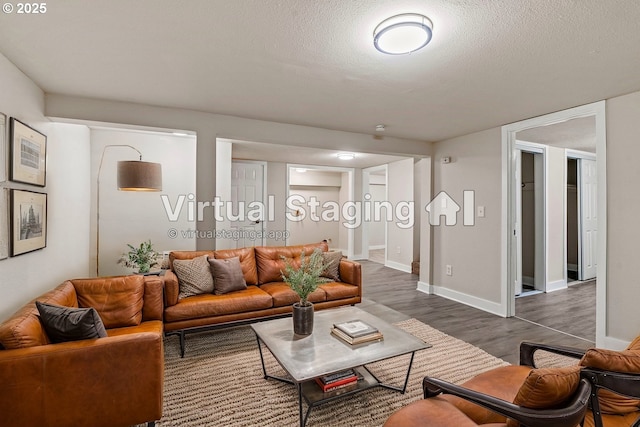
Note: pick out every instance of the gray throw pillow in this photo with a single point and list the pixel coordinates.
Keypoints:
(194, 277)
(227, 275)
(64, 324)
(332, 265)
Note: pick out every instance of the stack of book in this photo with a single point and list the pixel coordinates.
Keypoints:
(344, 380)
(356, 332)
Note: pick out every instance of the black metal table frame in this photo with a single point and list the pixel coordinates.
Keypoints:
(311, 405)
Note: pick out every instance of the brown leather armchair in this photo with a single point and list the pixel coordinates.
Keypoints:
(609, 381)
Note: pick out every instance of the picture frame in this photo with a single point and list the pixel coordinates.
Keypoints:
(28, 221)
(4, 223)
(28, 154)
(4, 163)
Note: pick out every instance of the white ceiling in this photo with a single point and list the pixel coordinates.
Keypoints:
(313, 62)
(576, 134)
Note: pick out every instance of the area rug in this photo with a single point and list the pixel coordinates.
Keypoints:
(219, 382)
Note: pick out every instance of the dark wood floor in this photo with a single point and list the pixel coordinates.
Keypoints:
(392, 295)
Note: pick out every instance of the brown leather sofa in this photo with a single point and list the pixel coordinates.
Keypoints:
(104, 382)
(266, 296)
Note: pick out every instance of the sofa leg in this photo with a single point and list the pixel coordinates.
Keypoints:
(151, 424)
(181, 343)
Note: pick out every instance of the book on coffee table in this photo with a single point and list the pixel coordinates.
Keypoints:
(375, 336)
(355, 328)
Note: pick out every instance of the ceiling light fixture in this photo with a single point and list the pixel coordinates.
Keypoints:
(380, 128)
(402, 34)
(346, 156)
(301, 170)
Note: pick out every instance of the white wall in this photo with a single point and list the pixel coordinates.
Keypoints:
(277, 187)
(134, 217)
(400, 176)
(68, 170)
(472, 251)
(308, 230)
(623, 206)
(556, 190)
(377, 239)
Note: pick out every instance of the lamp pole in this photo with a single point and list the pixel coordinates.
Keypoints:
(104, 150)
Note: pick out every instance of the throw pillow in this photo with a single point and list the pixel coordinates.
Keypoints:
(627, 361)
(547, 388)
(332, 265)
(70, 324)
(194, 277)
(227, 275)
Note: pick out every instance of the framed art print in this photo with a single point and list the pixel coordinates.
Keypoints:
(28, 154)
(28, 221)
(3, 148)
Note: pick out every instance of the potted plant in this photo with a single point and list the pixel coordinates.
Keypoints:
(143, 257)
(303, 281)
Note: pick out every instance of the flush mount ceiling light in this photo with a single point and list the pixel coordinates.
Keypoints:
(346, 156)
(402, 34)
(301, 170)
(380, 128)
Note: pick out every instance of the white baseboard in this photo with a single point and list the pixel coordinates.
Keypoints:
(615, 343)
(424, 287)
(470, 300)
(375, 247)
(357, 257)
(398, 266)
(556, 286)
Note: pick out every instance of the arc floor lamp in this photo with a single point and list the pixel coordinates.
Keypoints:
(133, 175)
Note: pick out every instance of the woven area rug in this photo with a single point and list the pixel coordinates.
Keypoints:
(219, 382)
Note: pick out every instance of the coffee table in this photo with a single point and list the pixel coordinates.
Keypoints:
(305, 358)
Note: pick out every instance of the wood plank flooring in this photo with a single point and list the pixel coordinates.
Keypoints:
(392, 295)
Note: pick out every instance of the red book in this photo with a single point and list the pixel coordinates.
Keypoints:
(342, 381)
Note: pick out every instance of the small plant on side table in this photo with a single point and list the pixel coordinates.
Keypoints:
(143, 257)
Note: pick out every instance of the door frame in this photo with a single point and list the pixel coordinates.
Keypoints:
(507, 299)
(541, 215)
(351, 196)
(366, 180)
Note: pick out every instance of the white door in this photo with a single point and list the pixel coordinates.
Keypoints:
(247, 195)
(588, 241)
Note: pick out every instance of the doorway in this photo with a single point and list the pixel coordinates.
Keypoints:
(556, 234)
(374, 235)
(247, 195)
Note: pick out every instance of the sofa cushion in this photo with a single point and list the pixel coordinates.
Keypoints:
(247, 261)
(64, 324)
(271, 264)
(227, 275)
(627, 361)
(118, 300)
(174, 255)
(283, 295)
(332, 265)
(337, 290)
(547, 388)
(209, 305)
(194, 276)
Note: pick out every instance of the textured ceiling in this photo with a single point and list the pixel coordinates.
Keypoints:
(576, 134)
(313, 62)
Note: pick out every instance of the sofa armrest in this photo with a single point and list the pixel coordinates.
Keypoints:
(102, 382)
(171, 288)
(351, 273)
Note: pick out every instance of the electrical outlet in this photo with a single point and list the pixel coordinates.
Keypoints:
(449, 270)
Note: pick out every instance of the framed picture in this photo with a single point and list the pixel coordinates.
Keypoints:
(28, 221)
(4, 223)
(28, 154)
(3, 148)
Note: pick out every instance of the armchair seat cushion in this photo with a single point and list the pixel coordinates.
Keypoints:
(503, 383)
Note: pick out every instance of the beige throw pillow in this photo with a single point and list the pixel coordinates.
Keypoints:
(194, 276)
(332, 265)
(227, 275)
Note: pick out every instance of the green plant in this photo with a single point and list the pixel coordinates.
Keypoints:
(304, 280)
(143, 257)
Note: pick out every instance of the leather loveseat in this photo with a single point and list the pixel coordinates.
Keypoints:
(266, 295)
(112, 381)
